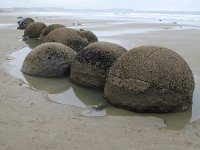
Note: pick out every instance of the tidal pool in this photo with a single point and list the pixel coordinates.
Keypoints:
(63, 91)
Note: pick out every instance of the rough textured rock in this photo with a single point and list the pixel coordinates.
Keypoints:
(90, 36)
(34, 30)
(150, 79)
(48, 29)
(26, 22)
(67, 36)
(92, 63)
(49, 60)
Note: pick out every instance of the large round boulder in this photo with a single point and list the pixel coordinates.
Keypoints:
(67, 36)
(49, 60)
(48, 29)
(89, 35)
(91, 64)
(34, 30)
(150, 79)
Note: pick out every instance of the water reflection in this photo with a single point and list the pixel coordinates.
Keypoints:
(51, 85)
(32, 43)
(88, 96)
(67, 97)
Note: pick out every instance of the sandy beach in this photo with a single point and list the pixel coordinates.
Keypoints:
(29, 120)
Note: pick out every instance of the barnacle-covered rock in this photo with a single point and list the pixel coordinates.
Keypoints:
(49, 60)
(91, 64)
(150, 79)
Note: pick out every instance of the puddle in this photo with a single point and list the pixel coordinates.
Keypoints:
(65, 92)
(32, 42)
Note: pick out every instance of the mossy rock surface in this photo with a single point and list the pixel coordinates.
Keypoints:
(150, 79)
(68, 37)
(48, 29)
(33, 30)
(49, 60)
(91, 64)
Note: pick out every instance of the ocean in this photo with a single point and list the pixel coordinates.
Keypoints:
(180, 17)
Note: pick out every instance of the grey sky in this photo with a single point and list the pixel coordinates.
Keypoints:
(177, 5)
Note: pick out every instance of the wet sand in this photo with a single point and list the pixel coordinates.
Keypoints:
(28, 120)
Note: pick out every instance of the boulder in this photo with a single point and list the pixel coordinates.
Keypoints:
(68, 37)
(48, 29)
(90, 36)
(91, 64)
(34, 30)
(49, 60)
(150, 79)
(24, 23)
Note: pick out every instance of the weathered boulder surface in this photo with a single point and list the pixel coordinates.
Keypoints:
(48, 29)
(91, 64)
(49, 60)
(68, 37)
(150, 79)
(89, 35)
(33, 30)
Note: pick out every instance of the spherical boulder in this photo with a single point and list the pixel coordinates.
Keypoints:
(67, 36)
(150, 79)
(89, 35)
(49, 60)
(33, 30)
(48, 29)
(91, 64)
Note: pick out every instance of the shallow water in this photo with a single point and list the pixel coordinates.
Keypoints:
(65, 92)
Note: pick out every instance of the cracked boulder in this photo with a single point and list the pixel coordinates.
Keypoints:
(33, 30)
(91, 64)
(68, 37)
(49, 60)
(150, 79)
(48, 29)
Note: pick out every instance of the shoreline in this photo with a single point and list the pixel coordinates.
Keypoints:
(28, 120)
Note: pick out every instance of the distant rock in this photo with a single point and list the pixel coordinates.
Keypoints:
(91, 64)
(48, 29)
(49, 60)
(89, 35)
(68, 37)
(150, 79)
(23, 23)
(34, 30)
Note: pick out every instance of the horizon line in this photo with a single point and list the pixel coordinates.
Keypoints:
(127, 9)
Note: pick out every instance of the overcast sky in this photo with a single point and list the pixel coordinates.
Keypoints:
(177, 5)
